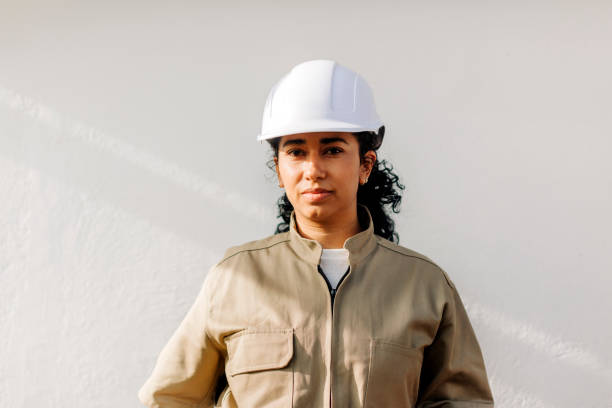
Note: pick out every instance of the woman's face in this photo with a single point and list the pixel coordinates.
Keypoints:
(321, 172)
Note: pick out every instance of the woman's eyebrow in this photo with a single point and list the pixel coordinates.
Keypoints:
(328, 140)
(293, 142)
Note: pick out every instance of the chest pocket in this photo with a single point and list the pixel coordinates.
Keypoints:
(258, 367)
(393, 376)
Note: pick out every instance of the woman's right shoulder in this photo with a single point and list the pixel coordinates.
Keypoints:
(238, 260)
(248, 254)
(254, 247)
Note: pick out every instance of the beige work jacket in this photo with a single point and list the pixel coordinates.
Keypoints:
(395, 333)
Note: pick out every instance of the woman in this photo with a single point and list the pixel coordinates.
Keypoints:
(328, 311)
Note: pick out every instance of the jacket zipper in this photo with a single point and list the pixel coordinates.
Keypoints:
(332, 293)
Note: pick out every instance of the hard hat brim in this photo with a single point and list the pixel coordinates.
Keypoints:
(319, 125)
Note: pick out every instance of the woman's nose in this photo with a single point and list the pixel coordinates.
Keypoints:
(314, 168)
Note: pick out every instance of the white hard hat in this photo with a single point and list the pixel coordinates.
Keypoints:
(318, 96)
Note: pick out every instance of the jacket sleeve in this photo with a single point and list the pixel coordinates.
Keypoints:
(188, 366)
(453, 373)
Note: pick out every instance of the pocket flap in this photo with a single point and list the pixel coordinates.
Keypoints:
(257, 350)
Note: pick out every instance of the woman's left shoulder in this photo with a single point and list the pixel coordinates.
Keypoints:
(401, 255)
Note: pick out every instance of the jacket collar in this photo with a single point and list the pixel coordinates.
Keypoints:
(359, 245)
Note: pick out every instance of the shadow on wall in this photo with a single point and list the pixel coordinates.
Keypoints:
(69, 150)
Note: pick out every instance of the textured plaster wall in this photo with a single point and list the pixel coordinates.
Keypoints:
(128, 163)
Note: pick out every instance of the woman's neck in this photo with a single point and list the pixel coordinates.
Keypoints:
(331, 234)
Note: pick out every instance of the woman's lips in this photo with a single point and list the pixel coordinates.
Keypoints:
(316, 195)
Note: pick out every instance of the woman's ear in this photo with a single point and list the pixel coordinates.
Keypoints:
(278, 176)
(367, 164)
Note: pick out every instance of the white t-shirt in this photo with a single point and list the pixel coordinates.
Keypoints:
(334, 263)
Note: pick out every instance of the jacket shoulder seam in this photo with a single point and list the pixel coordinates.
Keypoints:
(381, 242)
(423, 258)
(239, 250)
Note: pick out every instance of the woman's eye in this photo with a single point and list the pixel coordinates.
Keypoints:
(295, 152)
(333, 150)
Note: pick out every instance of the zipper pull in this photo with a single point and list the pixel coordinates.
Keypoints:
(333, 292)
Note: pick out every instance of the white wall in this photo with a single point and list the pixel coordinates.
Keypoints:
(128, 163)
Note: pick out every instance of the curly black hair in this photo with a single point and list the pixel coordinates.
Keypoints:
(380, 194)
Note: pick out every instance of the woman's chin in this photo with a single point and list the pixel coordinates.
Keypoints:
(316, 213)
